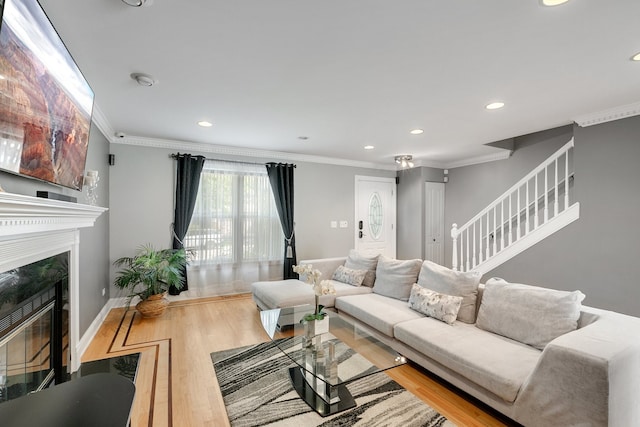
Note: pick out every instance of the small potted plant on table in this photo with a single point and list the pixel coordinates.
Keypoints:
(315, 323)
(149, 274)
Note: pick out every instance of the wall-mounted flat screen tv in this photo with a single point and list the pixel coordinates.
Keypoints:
(45, 101)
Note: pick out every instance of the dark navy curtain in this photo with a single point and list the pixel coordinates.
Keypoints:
(281, 180)
(187, 183)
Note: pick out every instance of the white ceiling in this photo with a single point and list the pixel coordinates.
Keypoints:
(351, 73)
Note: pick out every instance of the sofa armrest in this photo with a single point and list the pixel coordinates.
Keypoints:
(587, 377)
(327, 266)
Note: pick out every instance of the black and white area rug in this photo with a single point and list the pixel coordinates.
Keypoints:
(257, 391)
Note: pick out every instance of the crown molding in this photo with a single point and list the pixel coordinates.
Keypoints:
(244, 152)
(102, 123)
(609, 115)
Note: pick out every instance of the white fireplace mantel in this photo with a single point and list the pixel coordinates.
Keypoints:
(21, 214)
(33, 228)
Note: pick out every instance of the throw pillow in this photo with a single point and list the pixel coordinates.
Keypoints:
(349, 276)
(444, 280)
(394, 278)
(439, 306)
(358, 261)
(528, 314)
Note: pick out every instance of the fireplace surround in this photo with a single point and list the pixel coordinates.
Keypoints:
(33, 229)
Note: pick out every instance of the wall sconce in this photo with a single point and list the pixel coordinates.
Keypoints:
(91, 179)
(405, 160)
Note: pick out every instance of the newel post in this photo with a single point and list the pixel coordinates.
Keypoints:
(454, 257)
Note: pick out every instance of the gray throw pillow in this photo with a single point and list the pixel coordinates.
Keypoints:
(358, 261)
(446, 281)
(349, 276)
(439, 306)
(528, 314)
(394, 278)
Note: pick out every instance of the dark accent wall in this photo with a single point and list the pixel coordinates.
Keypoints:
(598, 253)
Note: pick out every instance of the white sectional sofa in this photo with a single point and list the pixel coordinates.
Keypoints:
(537, 369)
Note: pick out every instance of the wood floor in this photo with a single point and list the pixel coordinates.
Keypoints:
(176, 383)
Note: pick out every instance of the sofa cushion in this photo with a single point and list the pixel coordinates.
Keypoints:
(379, 312)
(359, 261)
(292, 292)
(394, 278)
(446, 281)
(349, 276)
(439, 306)
(529, 314)
(496, 363)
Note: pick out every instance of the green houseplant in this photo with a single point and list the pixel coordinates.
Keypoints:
(149, 274)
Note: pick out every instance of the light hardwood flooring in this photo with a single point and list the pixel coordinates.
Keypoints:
(176, 383)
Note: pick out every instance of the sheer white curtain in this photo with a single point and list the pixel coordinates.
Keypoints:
(235, 231)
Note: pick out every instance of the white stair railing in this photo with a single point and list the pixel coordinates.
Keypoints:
(535, 207)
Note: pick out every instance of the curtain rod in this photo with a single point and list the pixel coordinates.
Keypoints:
(175, 157)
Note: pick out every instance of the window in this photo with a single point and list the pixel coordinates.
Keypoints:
(235, 220)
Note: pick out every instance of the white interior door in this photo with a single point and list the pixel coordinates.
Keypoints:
(434, 222)
(375, 216)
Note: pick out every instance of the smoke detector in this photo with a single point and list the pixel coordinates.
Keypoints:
(137, 3)
(144, 79)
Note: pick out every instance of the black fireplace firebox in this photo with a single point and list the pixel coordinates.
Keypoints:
(34, 326)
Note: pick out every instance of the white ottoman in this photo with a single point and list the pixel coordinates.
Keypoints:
(282, 293)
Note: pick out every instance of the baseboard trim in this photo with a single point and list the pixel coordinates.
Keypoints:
(91, 332)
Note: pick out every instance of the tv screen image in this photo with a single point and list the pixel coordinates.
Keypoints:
(45, 101)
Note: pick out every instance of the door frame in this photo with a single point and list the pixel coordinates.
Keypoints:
(394, 207)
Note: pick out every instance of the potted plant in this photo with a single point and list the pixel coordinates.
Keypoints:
(315, 323)
(149, 274)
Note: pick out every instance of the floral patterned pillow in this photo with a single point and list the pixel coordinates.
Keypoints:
(439, 306)
(349, 276)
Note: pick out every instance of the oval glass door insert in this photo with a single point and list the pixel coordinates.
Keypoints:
(375, 216)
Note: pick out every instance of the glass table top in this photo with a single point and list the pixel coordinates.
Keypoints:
(343, 354)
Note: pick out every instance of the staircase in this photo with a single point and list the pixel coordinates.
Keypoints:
(533, 209)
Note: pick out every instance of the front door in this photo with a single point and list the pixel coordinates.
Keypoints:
(375, 216)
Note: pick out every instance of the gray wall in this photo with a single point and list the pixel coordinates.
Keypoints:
(142, 192)
(411, 210)
(596, 254)
(94, 242)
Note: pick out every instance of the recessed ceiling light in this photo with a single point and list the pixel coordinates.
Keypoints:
(553, 2)
(369, 147)
(205, 124)
(416, 131)
(636, 57)
(494, 105)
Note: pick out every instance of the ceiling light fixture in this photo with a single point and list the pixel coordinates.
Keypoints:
(369, 147)
(404, 160)
(144, 79)
(494, 105)
(416, 131)
(636, 57)
(134, 3)
(205, 124)
(553, 2)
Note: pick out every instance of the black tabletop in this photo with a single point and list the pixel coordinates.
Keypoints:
(94, 400)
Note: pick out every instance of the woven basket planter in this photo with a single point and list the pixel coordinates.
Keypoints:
(153, 306)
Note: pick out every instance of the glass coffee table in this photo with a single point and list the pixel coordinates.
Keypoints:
(325, 362)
